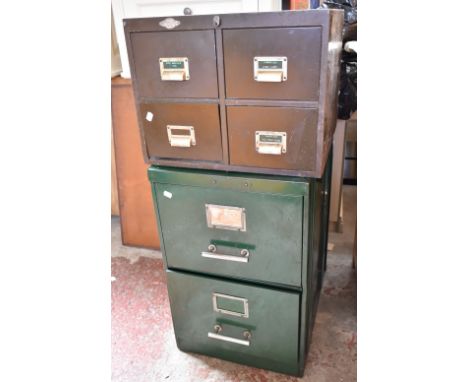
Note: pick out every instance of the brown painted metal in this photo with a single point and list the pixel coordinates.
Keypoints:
(244, 121)
(223, 55)
(301, 46)
(204, 118)
(197, 46)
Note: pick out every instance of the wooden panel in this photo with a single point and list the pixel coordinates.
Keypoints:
(114, 191)
(137, 217)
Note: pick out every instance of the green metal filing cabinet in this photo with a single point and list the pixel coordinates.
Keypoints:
(245, 256)
(236, 115)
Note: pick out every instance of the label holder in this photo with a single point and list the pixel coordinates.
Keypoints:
(244, 301)
(270, 69)
(174, 68)
(271, 142)
(225, 217)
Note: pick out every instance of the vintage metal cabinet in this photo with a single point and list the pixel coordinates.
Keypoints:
(245, 256)
(241, 92)
(244, 250)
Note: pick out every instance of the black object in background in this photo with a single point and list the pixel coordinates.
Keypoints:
(348, 6)
(347, 98)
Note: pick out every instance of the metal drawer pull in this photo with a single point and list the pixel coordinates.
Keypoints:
(181, 140)
(243, 258)
(270, 69)
(174, 68)
(270, 142)
(218, 329)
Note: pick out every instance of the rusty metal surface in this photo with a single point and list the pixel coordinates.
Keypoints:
(203, 117)
(297, 123)
(198, 46)
(330, 88)
(226, 48)
(301, 46)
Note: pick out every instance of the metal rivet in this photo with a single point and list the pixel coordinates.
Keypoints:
(245, 253)
(218, 328)
(247, 335)
(212, 248)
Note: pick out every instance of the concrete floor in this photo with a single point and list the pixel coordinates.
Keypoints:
(143, 342)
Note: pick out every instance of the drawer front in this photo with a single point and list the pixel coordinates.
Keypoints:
(234, 321)
(299, 47)
(272, 137)
(185, 131)
(245, 235)
(198, 47)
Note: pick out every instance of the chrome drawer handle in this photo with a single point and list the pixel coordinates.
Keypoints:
(218, 329)
(243, 258)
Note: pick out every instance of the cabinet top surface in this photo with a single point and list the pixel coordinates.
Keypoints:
(233, 20)
(238, 181)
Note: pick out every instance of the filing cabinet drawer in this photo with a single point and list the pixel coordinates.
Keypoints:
(227, 232)
(272, 137)
(292, 52)
(188, 131)
(253, 325)
(155, 52)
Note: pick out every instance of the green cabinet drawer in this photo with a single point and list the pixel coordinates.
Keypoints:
(219, 226)
(253, 325)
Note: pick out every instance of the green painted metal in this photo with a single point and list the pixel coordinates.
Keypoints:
(273, 321)
(285, 220)
(326, 179)
(235, 181)
(272, 258)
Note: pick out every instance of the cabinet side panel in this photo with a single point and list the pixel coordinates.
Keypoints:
(332, 82)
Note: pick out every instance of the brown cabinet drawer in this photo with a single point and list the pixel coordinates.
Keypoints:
(182, 131)
(299, 46)
(272, 137)
(198, 47)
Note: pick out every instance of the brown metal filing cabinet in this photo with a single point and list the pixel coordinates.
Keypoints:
(243, 92)
(236, 115)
